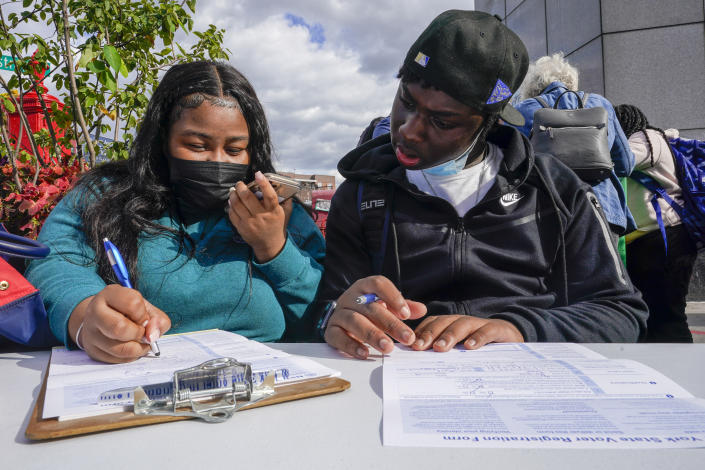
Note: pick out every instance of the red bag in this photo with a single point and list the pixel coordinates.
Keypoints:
(23, 318)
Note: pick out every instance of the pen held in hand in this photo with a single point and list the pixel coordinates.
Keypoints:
(366, 299)
(118, 265)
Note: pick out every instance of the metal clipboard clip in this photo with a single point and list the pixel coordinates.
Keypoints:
(212, 391)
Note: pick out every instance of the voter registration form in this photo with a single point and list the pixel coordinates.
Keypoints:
(534, 395)
(75, 380)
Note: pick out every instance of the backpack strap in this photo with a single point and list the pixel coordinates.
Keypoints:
(580, 100)
(651, 184)
(374, 210)
(542, 101)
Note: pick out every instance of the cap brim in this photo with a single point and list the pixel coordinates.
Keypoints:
(512, 116)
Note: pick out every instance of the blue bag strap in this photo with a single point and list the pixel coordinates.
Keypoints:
(654, 187)
(17, 246)
(651, 184)
(378, 257)
(360, 189)
(659, 218)
(376, 253)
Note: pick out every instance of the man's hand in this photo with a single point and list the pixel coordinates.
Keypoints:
(445, 331)
(352, 325)
(116, 324)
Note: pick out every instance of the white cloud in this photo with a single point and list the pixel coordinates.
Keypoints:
(320, 96)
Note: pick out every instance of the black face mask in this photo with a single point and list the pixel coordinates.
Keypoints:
(202, 188)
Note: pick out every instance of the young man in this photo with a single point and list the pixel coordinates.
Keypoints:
(454, 211)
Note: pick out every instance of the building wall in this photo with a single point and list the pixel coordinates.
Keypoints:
(310, 183)
(650, 53)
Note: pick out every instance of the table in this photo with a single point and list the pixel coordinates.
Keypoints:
(336, 431)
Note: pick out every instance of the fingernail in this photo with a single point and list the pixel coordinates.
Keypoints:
(472, 342)
(405, 312)
(419, 343)
(259, 174)
(145, 323)
(362, 352)
(384, 344)
(232, 189)
(229, 204)
(406, 336)
(441, 343)
(154, 336)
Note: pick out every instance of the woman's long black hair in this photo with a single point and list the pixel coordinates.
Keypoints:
(122, 199)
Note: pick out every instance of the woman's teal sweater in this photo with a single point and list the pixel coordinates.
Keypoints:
(221, 287)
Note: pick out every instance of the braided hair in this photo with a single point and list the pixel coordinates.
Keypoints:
(633, 120)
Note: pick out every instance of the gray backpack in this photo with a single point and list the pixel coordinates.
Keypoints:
(577, 137)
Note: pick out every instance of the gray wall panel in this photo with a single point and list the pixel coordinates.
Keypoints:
(693, 133)
(621, 15)
(529, 22)
(495, 7)
(588, 61)
(512, 4)
(571, 24)
(661, 71)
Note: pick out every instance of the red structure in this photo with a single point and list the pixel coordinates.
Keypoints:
(320, 204)
(35, 115)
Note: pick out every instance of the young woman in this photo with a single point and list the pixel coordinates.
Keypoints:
(661, 274)
(200, 255)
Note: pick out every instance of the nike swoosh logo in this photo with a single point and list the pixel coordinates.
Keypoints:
(510, 199)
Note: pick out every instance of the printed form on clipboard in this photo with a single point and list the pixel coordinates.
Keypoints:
(75, 381)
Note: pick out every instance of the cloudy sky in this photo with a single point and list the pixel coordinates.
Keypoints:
(322, 68)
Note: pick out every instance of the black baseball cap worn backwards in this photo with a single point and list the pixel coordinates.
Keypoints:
(473, 57)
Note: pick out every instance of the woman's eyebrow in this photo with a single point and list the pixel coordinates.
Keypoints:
(191, 133)
(203, 135)
(237, 138)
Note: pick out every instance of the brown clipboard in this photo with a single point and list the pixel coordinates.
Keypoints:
(41, 429)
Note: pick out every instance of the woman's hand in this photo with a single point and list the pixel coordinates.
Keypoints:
(118, 324)
(261, 223)
(445, 331)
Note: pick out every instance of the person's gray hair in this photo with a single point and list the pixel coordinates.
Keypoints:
(543, 72)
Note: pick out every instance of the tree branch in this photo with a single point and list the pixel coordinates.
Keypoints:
(23, 117)
(74, 89)
(10, 154)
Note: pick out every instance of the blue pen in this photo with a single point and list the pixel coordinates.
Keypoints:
(118, 265)
(366, 299)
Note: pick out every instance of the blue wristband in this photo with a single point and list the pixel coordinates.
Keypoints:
(323, 321)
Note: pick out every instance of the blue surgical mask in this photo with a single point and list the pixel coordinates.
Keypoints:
(455, 165)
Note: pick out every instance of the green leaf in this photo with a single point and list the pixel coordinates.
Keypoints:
(96, 66)
(107, 79)
(7, 103)
(123, 70)
(87, 56)
(112, 57)
(26, 3)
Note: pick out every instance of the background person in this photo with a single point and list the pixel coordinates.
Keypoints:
(548, 78)
(252, 269)
(492, 243)
(662, 276)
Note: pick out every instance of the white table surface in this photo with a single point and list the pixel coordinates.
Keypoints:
(337, 431)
